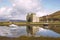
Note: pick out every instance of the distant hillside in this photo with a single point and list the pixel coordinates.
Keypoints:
(54, 16)
(17, 20)
(6, 20)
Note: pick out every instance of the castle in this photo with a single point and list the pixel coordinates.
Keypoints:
(32, 18)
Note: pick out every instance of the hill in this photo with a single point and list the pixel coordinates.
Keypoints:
(54, 16)
(7, 20)
(17, 20)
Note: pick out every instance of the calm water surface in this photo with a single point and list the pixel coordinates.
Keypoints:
(21, 31)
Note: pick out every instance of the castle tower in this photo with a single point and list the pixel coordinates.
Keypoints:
(32, 18)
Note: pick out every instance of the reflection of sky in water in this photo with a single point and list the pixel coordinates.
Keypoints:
(21, 31)
(47, 32)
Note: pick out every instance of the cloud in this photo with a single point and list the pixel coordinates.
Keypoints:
(22, 7)
(5, 12)
(28, 5)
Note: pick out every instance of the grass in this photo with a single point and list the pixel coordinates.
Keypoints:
(29, 38)
(56, 29)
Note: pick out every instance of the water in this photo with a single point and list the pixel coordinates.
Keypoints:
(21, 31)
(47, 32)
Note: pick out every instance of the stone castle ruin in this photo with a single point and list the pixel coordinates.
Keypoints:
(31, 17)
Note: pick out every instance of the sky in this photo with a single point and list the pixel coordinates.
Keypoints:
(18, 9)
